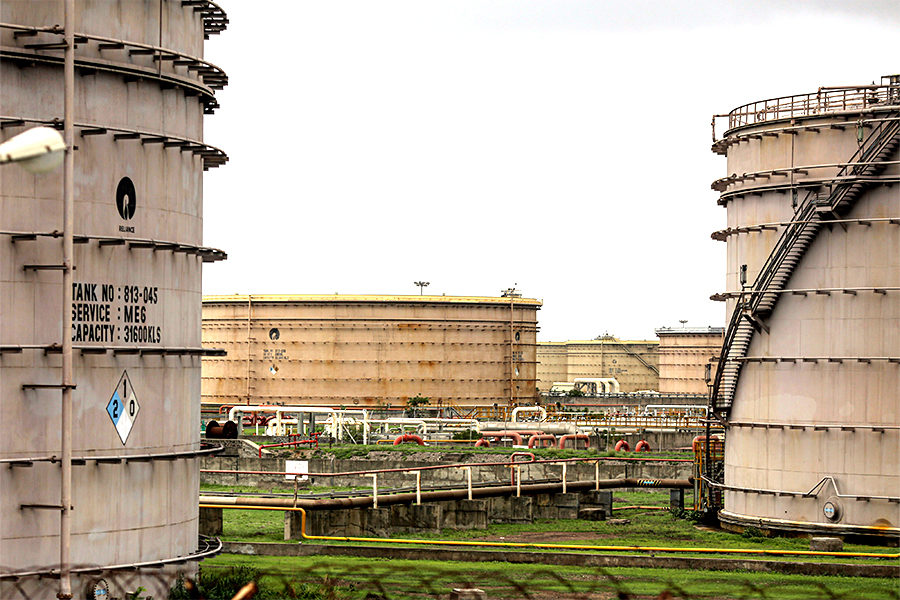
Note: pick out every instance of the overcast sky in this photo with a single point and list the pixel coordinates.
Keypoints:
(561, 147)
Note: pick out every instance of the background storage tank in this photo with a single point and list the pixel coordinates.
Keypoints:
(633, 363)
(369, 351)
(684, 353)
(142, 89)
(811, 371)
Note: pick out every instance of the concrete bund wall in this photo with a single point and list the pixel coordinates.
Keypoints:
(435, 516)
(456, 476)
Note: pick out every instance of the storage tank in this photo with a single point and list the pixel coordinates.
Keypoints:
(370, 351)
(130, 287)
(808, 388)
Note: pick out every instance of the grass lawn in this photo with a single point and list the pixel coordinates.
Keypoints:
(354, 578)
(653, 528)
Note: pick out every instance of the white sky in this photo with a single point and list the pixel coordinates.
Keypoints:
(561, 147)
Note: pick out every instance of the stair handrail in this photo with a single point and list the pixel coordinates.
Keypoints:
(806, 215)
(637, 356)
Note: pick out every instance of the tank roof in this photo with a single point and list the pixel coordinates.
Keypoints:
(610, 340)
(690, 331)
(337, 298)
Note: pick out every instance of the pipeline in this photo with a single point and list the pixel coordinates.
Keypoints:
(408, 437)
(642, 446)
(654, 549)
(535, 440)
(575, 437)
(453, 466)
(315, 441)
(443, 495)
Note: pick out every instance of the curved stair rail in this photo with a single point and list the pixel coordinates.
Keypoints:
(790, 248)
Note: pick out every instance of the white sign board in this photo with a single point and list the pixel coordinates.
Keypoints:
(300, 467)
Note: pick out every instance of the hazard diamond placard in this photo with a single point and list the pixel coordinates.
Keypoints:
(123, 407)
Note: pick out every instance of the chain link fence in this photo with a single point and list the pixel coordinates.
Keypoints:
(328, 578)
(387, 580)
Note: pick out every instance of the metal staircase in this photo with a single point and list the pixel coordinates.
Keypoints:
(751, 310)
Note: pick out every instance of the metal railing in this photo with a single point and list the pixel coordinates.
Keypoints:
(825, 100)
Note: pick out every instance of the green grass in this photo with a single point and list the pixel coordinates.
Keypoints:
(356, 577)
(646, 528)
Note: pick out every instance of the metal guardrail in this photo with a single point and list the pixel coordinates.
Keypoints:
(825, 100)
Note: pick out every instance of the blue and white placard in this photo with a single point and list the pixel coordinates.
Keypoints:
(123, 407)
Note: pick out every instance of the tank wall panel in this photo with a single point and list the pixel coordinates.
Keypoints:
(364, 352)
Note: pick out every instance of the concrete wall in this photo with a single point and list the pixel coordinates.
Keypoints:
(501, 474)
(810, 403)
(608, 357)
(368, 351)
(450, 514)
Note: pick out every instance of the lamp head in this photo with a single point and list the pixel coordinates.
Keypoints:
(37, 150)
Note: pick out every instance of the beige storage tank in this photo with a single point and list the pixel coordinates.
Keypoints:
(633, 363)
(810, 380)
(684, 353)
(141, 91)
(370, 351)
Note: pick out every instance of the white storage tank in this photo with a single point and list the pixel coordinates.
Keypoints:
(142, 89)
(810, 380)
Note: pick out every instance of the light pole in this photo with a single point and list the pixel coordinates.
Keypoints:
(39, 150)
(512, 294)
(422, 285)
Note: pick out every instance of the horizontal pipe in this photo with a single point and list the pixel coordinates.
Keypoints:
(456, 466)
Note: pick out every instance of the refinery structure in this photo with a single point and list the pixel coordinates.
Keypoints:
(103, 329)
(807, 387)
(100, 301)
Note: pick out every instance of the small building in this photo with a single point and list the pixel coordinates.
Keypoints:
(684, 353)
(370, 351)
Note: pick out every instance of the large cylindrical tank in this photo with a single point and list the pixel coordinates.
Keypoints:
(141, 92)
(810, 380)
(370, 351)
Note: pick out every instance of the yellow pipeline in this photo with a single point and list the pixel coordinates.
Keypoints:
(551, 546)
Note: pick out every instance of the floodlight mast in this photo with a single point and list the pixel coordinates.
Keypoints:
(422, 285)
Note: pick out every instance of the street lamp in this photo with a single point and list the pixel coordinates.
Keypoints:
(37, 150)
(422, 285)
